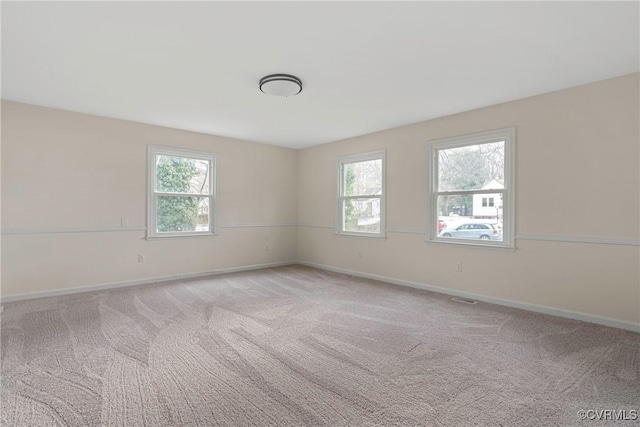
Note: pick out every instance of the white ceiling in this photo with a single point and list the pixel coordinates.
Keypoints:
(365, 66)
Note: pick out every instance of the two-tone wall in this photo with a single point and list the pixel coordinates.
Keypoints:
(72, 182)
(577, 205)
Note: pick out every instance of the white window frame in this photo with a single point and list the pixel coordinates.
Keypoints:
(152, 194)
(356, 158)
(508, 135)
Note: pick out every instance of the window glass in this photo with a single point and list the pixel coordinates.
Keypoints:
(181, 192)
(471, 189)
(361, 194)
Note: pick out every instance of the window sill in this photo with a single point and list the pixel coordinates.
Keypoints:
(472, 244)
(183, 236)
(381, 236)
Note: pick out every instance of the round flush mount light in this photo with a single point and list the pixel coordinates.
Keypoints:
(280, 85)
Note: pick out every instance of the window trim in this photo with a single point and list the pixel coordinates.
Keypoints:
(355, 158)
(508, 135)
(152, 152)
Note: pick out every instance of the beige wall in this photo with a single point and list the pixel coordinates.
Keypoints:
(577, 150)
(63, 170)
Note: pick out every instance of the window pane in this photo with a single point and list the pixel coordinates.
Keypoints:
(182, 214)
(473, 167)
(363, 178)
(465, 217)
(182, 175)
(362, 215)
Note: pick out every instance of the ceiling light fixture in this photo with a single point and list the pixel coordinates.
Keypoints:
(280, 85)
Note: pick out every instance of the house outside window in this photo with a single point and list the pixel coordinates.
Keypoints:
(485, 207)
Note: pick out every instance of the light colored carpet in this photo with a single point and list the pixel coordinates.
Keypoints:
(296, 346)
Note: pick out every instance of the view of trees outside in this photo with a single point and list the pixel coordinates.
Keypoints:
(186, 206)
(362, 179)
(350, 218)
(468, 168)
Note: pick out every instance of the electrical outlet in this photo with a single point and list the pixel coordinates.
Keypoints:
(359, 254)
(266, 248)
(459, 267)
(124, 221)
(140, 257)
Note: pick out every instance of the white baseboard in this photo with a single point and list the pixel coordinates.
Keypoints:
(569, 314)
(91, 288)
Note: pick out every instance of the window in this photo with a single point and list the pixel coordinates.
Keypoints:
(181, 192)
(472, 189)
(361, 194)
(487, 204)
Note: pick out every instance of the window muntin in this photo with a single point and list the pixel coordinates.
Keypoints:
(471, 189)
(181, 192)
(361, 194)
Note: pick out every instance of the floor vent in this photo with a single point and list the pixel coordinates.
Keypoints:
(464, 300)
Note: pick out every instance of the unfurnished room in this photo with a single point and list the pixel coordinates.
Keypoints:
(320, 213)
